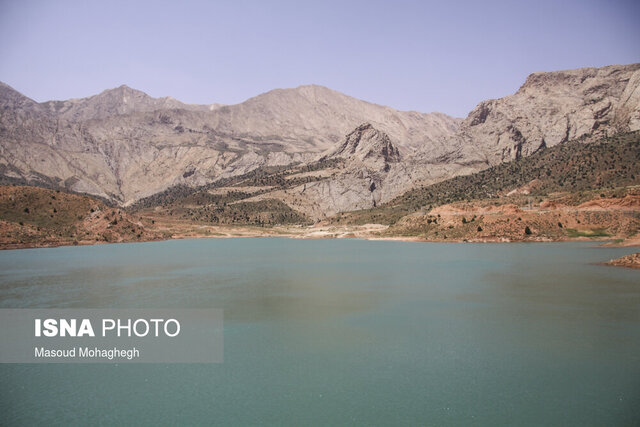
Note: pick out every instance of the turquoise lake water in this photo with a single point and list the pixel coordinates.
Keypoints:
(344, 332)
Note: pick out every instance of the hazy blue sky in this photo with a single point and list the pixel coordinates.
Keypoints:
(412, 55)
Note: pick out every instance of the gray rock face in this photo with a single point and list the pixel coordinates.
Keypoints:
(320, 117)
(125, 145)
(12, 100)
(369, 146)
(549, 109)
(115, 102)
(371, 172)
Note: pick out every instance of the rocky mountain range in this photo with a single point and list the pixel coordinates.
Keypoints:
(123, 145)
(115, 102)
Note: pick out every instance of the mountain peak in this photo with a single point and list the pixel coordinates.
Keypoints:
(314, 87)
(364, 127)
(369, 145)
(123, 90)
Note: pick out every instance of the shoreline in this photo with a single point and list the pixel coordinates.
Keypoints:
(631, 261)
(246, 232)
(627, 261)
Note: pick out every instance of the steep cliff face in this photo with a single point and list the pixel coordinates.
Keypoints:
(368, 146)
(371, 165)
(367, 169)
(549, 109)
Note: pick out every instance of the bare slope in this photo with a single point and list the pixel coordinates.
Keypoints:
(124, 145)
(572, 167)
(549, 109)
(32, 216)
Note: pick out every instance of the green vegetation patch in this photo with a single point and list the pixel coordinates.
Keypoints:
(596, 232)
(262, 213)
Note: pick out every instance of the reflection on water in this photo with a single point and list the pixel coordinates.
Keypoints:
(349, 332)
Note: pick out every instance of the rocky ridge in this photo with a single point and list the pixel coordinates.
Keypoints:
(120, 101)
(124, 145)
(548, 109)
(369, 172)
